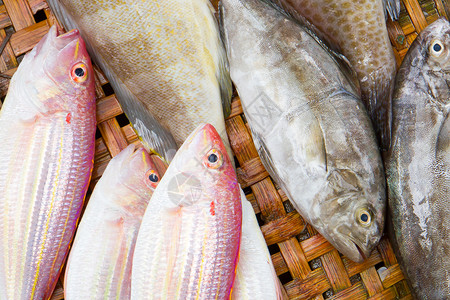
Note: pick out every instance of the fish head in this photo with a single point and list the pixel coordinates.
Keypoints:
(434, 44)
(58, 73)
(202, 171)
(130, 178)
(351, 214)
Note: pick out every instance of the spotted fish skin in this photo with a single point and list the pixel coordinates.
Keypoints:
(99, 264)
(188, 243)
(418, 163)
(357, 29)
(164, 60)
(48, 136)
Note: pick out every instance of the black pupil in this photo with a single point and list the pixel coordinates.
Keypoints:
(79, 72)
(437, 47)
(153, 178)
(212, 158)
(364, 218)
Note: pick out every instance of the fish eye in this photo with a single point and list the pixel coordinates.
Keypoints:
(151, 178)
(79, 73)
(213, 159)
(364, 217)
(436, 48)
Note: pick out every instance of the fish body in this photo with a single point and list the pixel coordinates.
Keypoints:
(418, 163)
(164, 60)
(357, 29)
(255, 275)
(48, 136)
(99, 264)
(188, 243)
(310, 128)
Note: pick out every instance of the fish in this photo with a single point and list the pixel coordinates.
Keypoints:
(357, 29)
(255, 274)
(165, 61)
(188, 243)
(46, 157)
(310, 128)
(418, 164)
(99, 264)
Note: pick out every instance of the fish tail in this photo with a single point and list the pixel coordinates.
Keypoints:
(392, 8)
(377, 95)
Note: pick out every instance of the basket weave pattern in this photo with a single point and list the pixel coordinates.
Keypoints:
(307, 265)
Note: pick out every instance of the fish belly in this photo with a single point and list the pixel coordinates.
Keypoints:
(45, 166)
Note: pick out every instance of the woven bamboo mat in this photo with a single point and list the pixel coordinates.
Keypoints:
(307, 265)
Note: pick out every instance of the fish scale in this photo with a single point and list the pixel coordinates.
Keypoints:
(188, 249)
(357, 29)
(418, 164)
(317, 141)
(48, 125)
(162, 58)
(99, 263)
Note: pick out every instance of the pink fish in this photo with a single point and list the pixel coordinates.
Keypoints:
(99, 265)
(47, 131)
(188, 243)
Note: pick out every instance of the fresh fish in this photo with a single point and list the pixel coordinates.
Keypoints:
(418, 163)
(188, 243)
(308, 124)
(358, 30)
(99, 265)
(164, 60)
(48, 136)
(255, 275)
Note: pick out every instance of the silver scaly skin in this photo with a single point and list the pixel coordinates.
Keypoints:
(311, 129)
(418, 163)
(357, 29)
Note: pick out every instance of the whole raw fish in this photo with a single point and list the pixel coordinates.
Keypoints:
(255, 275)
(188, 243)
(418, 163)
(308, 124)
(164, 59)
(99, 265)
(357, 29)
(47, 131)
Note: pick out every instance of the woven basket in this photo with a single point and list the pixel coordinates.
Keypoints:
(307, 265)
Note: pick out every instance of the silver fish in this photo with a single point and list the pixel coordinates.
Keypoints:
(99, 264)
(311, 130)
(46, 155)
(357, 29)
(164, 60)
(418, 163)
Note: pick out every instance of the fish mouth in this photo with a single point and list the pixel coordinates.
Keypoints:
(362, 255)
(68, 36)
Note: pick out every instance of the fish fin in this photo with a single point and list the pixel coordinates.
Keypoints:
(153, 135)
(224, 79)
(223, 70)
(266, 159)
(443, 142)
(392, 8)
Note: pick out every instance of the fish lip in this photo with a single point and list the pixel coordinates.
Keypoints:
(70, 35)
(363, 255)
